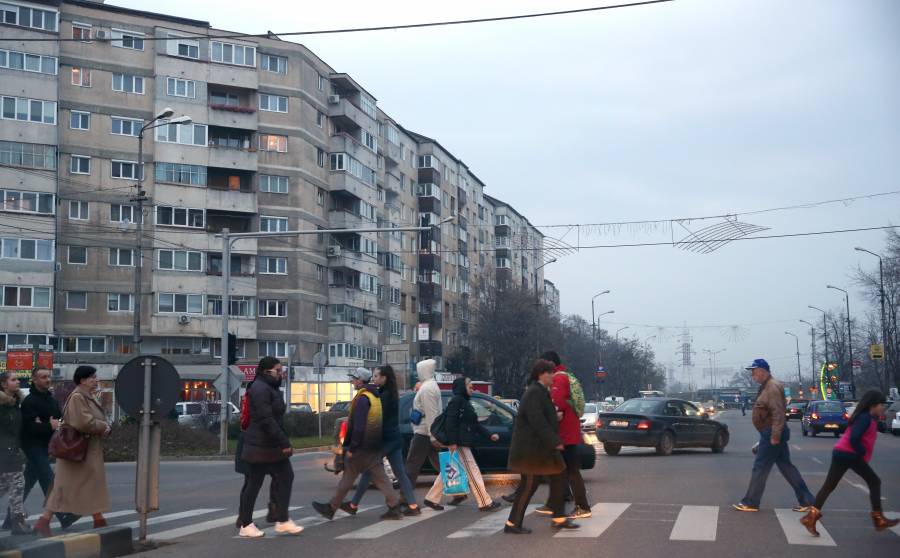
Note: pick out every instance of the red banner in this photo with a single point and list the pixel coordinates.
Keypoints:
(249, 371)
(45, 359)
(19, 360)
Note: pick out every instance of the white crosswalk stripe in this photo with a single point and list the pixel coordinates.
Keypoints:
(171, 517)
(83, 520)
(314, 520)
(696, 523)
(489, 525)
(603, 515)
(896, 528)
(205, 526)
(796, 533)
(387, 526)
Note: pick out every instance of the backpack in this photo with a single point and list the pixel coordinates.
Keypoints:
(245, 411)
(576, 394)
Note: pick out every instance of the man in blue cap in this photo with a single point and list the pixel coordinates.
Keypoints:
(774, 434)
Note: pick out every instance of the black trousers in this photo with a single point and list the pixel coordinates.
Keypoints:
(420, 449)
(528, 485)
(840, 462)
(282, 481)
(573, 476)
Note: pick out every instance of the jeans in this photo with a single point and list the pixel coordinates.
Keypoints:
(37, 470)
(282, 474)
(395, 458)
(780, 455)
(840, 462)
(528, 485)
(364, 461)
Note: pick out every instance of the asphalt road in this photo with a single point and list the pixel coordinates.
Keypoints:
(675, 506)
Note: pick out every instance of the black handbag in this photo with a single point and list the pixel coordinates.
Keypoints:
(439, 428)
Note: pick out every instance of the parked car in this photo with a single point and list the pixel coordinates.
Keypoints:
(300, 408)
(795, 409)
(511, 403)
(892, 418)
(340, 407)
(590, 416)
(202, 414)
(492, 457)
(824, 416)
(661, 423)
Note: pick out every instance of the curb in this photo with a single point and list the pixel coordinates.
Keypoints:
(230, 457)
(108, 542)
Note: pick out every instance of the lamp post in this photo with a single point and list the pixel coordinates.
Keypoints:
(812, 348)
(594, 319)
(712, 357)
(537, 303)
(648, 338)
(884, 366)
(824, 329)
(849, 338)
(797, 340)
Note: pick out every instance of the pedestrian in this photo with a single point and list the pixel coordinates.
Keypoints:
(79, 487)
(40, 418)
(774, 434)
(743, 406)
(362, 448)
(242, 467)
(427, 403)
(267, 451)
(854, 451)
(12, 460)
(461, 430)
(535, 450)
(391, 444)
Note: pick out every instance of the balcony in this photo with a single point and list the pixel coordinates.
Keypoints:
(348, 116)
(429, 292)
(241, 265)
(430, 175)
(232, 148)
(343, 219)
(434, 319)
(339, 257)
(343, 181)
(391, 152)
(464, 328)
(233, 117)
(216, 220)
(462, 197)
(392, 184)
(344, 142)
(462, 221)
(430, 348)
(429, 262)
(428, 204)
(463, 246)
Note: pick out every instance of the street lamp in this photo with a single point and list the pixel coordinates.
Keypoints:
(536, 290)
(537, 302)
(712, 363)
(824, 332)
(594, 319)
(648, 338)
(849, 338)
(797, 340)
(812, 348)
(618, 330)
(884, 365)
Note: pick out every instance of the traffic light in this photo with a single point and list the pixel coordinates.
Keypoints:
(232, 349)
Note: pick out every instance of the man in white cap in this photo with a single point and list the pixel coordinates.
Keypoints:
(426, 408)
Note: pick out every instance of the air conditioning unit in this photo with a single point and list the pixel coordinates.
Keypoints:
(56, 372)
(184, 320)
(100, 34)
(334, 99)
(334, 251)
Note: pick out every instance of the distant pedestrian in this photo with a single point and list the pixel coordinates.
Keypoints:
(362, 449)
(12, 460)
(391, 443)
(462, 429)
(80, 486)
(427, 403)
(536, 450)
(743, 406)
(267, 450)
(853, 451)
(774, 435)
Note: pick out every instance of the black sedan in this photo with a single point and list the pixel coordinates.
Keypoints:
(795, 409)
(492, 457)
(661, 423)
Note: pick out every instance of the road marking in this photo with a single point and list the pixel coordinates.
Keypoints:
(603, 515)
(895, 528)
(487, 526)
(387, 526)
(796, 447)
(796, 533)
(862, 487)
(696, 523)
(817, 460)
(83, 520)
(172, 517)
(206, 525)
(314, 520)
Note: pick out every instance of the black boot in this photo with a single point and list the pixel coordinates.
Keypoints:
(18, 526)
(6, 522)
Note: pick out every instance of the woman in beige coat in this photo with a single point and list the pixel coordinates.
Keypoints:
(80, 487)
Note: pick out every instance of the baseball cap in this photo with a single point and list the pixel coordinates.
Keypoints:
(758, 363)
(361, 374)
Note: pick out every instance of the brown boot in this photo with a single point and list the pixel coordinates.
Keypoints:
(810, 519)
(42, 527)
(99, 521)
(882, 523)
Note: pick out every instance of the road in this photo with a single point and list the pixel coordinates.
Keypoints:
(675, 506)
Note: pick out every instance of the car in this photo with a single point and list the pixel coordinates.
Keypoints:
(892, 418)
(662, 423)
(590, 416)
(795, 409)
(493, 414)
(511, 403)
(340, 407)
(202, 414)
(824, 416)
(300, 408)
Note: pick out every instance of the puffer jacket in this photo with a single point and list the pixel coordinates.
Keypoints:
(12, 460)
(265, 439)
(462, 424)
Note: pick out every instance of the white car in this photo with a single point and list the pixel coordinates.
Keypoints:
(895, 425)
(589, 418)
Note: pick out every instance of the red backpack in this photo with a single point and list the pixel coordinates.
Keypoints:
(245, 411)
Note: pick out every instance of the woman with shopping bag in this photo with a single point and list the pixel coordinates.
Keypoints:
(459, 428)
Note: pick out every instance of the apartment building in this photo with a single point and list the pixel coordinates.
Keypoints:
(277, 140)
(518, 248)
(551, 297)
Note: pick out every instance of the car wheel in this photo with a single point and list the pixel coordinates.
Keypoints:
(719, 442)
(665, 444)
(611, 449)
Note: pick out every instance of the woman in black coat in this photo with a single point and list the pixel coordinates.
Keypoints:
(535, 450)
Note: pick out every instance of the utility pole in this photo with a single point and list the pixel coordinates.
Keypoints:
(812, 348)
(849, 339)
(885, 384)
(824, 329)
(797, 340)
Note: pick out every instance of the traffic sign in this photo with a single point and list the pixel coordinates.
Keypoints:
(221, 382)
(876, 351)
(165, 386)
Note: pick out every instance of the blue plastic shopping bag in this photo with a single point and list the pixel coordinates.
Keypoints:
(453, 475)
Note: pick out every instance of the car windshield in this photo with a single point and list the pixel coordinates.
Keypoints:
(590, 408)
(830, 407)
(640, 406)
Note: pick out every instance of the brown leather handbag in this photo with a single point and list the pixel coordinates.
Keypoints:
(67, 442)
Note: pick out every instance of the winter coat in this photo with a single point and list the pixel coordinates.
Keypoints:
(390, 425)
(80, 487)
(38, 405)
(265, 439)
(12, 460)
(428, 402)
(461, 423)
(769, 408)
(536, 435)
(560, 393)
(365, 422)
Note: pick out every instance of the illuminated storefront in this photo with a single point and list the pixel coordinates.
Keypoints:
(335, 384)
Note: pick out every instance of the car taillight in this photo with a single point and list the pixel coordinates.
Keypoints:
(599, 423)
(643, 425)
(342, 433)
(814, 416)
(846, 416)
(793, 409)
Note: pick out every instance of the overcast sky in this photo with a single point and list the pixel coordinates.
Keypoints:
(690, 108)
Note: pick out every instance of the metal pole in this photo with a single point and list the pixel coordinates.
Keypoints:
(226, 302)
(139, 249)
(884, 362)
(319, 399)
(143, 465)
(850, 347)
(812, 348)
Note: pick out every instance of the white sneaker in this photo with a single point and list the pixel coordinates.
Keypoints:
(288, 528)
(250, 532)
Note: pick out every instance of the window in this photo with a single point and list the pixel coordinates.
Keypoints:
(320, 272)
(370, 141)
(83, 344)
(29, 155)
(123, 257)
(25, 297)
(272, 63)
(170, 303)
(80, 120)
(127, 39)
(228, 53)
(368, 106)
(125, 126)
(76, 300)
(185, 134)
(179, 217)
(320, 196)
(225, 99)
(344, 162)
(180, 260)
(26, 62)
(273, 184)
(127, 83)
(82, 32)
(272, 308)
(429, 162)
(273, 103)
(124, 169)
(24, 16)
(79, 164)
(30, 110)
(392, 135)
(320, 119)
(181, 87)
(26, 249)
(395, 295)
(320, 158)
(81, 77)
(188, 48)
(26, 202)
(269, 265)
(396, 326)
(276, 349)
(179, 173)
(320, 312)
(118, 302)
(78, 210)
(77, 255)
(271, 142)
(502, 263)
(273, 224)
(321, 83)
(119, 213)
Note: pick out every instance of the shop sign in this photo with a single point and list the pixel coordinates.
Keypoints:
(19, 357)
(424, 332)
(249, 371)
